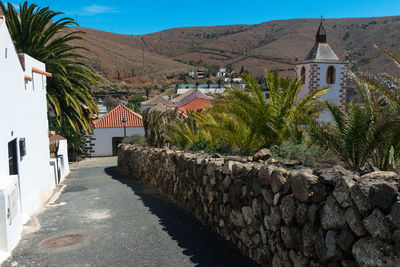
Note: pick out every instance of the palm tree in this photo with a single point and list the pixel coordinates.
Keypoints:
(147, 90)
(276, 119)
(244, 120)
(381, 94)
(208, 84)
(357, 133)
(41, 34)
(219, 82)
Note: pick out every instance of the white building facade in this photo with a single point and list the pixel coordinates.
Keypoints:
(25, 180)
(110, 129)
(322, 68)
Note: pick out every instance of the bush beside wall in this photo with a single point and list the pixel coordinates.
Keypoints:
(280, 215)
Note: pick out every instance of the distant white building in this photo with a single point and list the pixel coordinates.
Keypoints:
(222, 72)
(211, 90)
(237, 80)
(25, 174)
(110, 129)
(322, 68)
(197, 74)
(102, 110)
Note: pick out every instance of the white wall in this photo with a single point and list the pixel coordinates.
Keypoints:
(10, 233)
(304, 90)
(103, 142)
(23, 114)
(333, 94)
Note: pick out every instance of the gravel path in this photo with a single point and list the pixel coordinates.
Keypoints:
(117, 222)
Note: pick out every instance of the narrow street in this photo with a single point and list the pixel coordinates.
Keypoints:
(104, 219)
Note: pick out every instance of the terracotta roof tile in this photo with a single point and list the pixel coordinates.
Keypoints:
(113, 119)
(195, 105)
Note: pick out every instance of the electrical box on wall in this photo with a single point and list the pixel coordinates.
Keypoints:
(22, 147)
(12, 205)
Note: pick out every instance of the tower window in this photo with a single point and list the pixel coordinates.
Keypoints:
(303, 74)
(331, 75)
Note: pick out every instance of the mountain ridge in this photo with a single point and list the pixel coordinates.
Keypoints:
(277, 44)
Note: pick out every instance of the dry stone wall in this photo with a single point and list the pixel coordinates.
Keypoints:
(280, 215)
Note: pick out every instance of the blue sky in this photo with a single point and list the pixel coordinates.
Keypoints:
(140, 17)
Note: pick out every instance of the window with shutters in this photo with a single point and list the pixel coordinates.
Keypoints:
(331, 75)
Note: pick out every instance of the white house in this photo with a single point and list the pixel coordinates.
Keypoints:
(322, 68)
(110, 129)
(237, 80)
(25, 180)
(222, 72)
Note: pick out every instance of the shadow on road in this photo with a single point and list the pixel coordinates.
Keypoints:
(204, 246)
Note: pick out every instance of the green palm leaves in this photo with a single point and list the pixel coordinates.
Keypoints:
(368, 132)
(277, 119)
(38, 33)
(243, 120)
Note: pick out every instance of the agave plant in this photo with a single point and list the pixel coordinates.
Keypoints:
(44, 35)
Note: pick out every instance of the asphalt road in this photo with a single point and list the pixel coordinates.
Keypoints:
(118, 222)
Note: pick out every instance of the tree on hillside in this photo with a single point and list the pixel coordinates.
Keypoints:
(110, 102)
(209, 83)
(220, 82)
(147, 90)
(44, 35)
(213, 69)
(134, 102)
(229, 68)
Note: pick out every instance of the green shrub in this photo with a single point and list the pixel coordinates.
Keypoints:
(308, 155)
(198, 145)
(223, 148)
(133, 139)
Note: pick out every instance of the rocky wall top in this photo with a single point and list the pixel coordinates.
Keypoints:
(277, 214)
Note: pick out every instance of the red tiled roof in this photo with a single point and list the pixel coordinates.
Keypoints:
(195, 105)
(113, 119)
(54, 137)
(189, 98)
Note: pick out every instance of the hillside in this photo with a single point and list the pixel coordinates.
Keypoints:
(269, 45)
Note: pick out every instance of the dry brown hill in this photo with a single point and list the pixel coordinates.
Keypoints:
(269, 45)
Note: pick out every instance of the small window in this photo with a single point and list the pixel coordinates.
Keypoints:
(331, 75)
(303, 74)
(12, 157)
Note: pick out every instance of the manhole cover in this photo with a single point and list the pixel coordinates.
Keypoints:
(75, 189)
(60, 241)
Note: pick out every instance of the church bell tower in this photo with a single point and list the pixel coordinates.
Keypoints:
(322, 68)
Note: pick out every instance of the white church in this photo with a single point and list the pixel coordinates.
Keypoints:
(323, 68)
